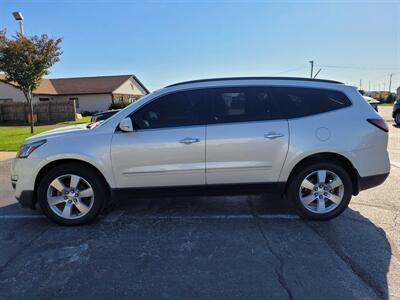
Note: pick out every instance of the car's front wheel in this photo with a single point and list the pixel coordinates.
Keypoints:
(71, 194)
(320, 191)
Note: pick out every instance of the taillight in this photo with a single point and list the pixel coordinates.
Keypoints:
(380, 123)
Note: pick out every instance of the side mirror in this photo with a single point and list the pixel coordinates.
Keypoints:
(126, 125)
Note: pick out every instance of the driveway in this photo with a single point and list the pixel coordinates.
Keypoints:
(251, 247)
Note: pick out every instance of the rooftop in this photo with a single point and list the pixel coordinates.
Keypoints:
(81, 85)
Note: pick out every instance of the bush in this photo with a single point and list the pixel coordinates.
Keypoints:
(118, 105)
(87, 113)
(390, 98)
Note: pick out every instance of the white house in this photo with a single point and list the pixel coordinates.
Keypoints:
(91, 94)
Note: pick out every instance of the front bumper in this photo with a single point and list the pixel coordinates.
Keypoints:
(23, 174)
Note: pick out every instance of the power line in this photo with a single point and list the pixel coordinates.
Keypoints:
(360, 68)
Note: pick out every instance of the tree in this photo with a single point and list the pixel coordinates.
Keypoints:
(25, 60)
(390, 98)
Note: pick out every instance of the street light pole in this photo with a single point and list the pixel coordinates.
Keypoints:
(19, 17)
(312, 68)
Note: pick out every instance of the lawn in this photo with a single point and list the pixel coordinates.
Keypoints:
(80, 121)
(12, 137)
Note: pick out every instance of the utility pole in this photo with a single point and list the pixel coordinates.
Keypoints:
(312, 68)
(390, 82)
(18, 17)
(360, 84)
(369, 85)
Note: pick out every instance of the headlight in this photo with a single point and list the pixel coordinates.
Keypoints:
(26, 149)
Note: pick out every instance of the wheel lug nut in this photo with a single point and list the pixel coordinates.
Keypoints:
(65, 197)
(325, 194)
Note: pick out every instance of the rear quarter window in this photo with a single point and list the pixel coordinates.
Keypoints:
(298, 102)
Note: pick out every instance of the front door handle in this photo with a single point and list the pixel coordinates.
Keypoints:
(189, 140)
(273, 135)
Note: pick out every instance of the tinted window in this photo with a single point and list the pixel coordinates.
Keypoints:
(298, 102)
(173, 110)
(240, 104)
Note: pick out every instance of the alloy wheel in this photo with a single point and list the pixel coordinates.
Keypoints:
(70, 196)
(321, 191)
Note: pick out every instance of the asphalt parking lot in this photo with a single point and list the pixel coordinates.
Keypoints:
(248, 247)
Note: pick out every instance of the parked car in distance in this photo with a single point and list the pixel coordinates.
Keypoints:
(373, 102)
(309, 139)
(396, 111)
(101, 116)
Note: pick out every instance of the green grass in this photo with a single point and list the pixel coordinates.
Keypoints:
(386, 104)
(12, 137)
(80, 121)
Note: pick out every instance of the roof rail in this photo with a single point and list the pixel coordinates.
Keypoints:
(256, 78)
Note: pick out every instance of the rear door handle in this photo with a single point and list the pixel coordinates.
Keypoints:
(273, 135)
(189, 140)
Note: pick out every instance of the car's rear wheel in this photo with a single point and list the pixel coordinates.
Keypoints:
(320, 191)
(397, 118)
(72, 194)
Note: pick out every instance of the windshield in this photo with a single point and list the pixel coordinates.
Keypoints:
(100, 123)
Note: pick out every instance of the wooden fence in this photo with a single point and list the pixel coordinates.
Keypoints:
(44, 112)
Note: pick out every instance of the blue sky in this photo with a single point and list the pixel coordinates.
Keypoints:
(163, 42)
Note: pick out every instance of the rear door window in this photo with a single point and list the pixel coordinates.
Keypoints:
(298, 102)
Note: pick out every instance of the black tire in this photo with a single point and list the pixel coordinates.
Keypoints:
(97, 183)
(397, 118)
(302, 172)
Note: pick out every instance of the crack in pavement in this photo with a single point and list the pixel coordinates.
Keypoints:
(279, 271)
(354, 266)
(383, 207)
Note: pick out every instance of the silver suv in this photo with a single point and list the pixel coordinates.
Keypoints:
(316, 141)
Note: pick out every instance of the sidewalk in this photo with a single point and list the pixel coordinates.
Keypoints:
(4, 155)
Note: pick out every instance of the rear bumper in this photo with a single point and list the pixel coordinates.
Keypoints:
(368, 182)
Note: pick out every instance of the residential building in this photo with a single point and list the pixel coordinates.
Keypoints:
(91, 94)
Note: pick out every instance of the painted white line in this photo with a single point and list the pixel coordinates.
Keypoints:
(283, 216)
(15, 216)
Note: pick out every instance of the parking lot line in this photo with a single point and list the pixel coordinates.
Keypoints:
(19, 216)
